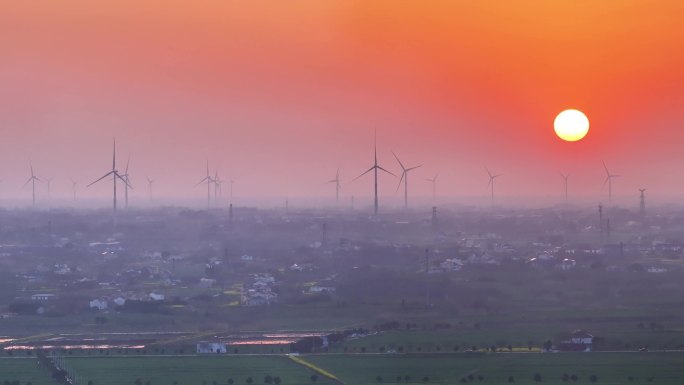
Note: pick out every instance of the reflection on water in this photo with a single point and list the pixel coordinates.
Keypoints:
(265, 342)
(71, 347)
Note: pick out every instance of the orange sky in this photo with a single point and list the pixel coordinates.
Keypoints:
(279, 94)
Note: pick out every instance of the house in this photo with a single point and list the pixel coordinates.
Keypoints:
(568, 264)
(156, 297)
(210, 347)
(451, 264)
(246, 257)
(119, 301)
(321, 289)
(43, 297)
(579, 340)
(206, 283)
(99, 304)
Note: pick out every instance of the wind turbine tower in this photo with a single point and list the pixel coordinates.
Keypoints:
(149, 185)
(492, 177)
(73, 188)
(32, 179)
(434, 186)
(115, 175)
(565, 183)
(338, 186)
(375, 167)
(404, 177)
(642, 201)
(609, 180)
(209, 180)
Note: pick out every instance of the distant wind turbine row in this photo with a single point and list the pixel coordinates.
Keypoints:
(217, 182)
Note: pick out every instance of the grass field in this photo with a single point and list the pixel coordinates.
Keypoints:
(609, 368)
(24, 370)
(192, 370)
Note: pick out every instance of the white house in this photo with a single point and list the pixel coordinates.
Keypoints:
(156, 297)
(99, 304)
(246, 257)
(580, 340)
(119, 301)
(321, 289)
(42, 297)
(210, 347)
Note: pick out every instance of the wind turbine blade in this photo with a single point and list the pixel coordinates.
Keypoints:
(27, 182)
(397, 158)
(202, 181)
(413, 168)
(367, 171)
(380, 168)
(606, 168)
(128, 161)
(488, 173)
(104, 176)
(125, 180)
(400, 180)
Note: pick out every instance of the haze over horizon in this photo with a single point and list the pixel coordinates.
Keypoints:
(279, 97)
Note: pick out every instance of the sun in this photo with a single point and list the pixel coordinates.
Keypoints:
(571, 125)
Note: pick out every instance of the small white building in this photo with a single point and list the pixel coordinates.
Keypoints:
(119, 301)
(156, 297)
(321, 289)
(43, 297)
(211, 347)
(246, 257)
(99, 304)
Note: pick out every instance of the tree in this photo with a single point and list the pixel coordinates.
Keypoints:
(314, 378)
(548, 345)
(510, 347)
(426, 379)
(593, 378)
(566, 377)
(378, 379)
(138, 382)
(480, 378)
(398, 378)
(511, 379)
(230, 381)
(574, 377)
(537, 377)
(249, 380)
(407, 378)
(89, 382)
(276, 380)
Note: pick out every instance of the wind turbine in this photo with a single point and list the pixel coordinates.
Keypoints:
(491, 181)
(433, 180)
(149, 185)
(209, 180)
(231, 181)
(375, 167)
(565, 182)
(73, 187)
(218, 186)
(127, 180)
(609, 180)
(404, 177)
(33, 180)
(338, 186)
(115, 175)
(49, 182)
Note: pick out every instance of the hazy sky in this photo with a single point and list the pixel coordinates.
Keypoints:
(278, 94)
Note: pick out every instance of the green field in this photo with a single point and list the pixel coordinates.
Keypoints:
(191, 370)
(609, 368)
(24, 370)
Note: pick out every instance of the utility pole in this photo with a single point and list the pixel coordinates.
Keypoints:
(427, 278)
